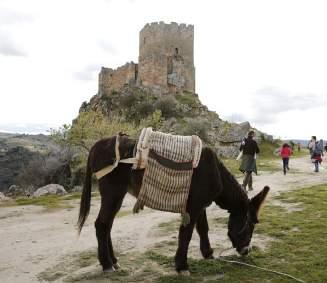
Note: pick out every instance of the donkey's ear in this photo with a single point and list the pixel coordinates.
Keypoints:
(257, 201)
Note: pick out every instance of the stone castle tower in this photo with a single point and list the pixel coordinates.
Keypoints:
(166, 62)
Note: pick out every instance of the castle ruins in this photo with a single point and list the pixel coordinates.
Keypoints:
(166, 62)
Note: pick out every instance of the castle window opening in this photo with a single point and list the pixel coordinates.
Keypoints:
(176, 51)
(144, 39)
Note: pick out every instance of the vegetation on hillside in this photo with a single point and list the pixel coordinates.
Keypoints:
(179, 114)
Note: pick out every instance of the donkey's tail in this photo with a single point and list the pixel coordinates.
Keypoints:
(85, 197)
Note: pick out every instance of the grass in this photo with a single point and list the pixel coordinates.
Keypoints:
(170, 226)
(302, 153)
(50, 201)
(299, 249)
(123, 213)
(76, 261)
(264, 165)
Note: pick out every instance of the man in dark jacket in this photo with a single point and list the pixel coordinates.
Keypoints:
(248, 165)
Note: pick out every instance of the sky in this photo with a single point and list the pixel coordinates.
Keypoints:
(259, 61)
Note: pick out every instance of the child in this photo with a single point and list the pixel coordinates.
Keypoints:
(285, 153)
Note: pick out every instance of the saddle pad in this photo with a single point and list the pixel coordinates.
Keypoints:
(168, 173)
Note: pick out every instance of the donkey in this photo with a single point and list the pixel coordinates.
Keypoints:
(211, 182)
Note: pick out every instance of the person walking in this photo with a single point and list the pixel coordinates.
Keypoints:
(250, 149)
(317, 154)
(312, 144)
(285, 153)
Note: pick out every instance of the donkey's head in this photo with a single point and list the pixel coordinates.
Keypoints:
(241, 225)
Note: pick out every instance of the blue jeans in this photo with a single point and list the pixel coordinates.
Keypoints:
(316, 166)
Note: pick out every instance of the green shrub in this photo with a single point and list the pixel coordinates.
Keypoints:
(167, 104)
(155, 120)
(195, 126)
(127, 101)
(144, 109)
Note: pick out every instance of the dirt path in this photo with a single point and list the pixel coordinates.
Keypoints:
(33, 240)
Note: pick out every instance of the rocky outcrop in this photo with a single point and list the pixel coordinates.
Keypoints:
(51, 189)
(186, 115)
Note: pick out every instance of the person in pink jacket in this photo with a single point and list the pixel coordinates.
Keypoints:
(285, 153)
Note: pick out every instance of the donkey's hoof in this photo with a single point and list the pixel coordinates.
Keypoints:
(109, 270)
(184, 273)
(116, 265)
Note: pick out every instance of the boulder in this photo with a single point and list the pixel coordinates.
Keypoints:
(231, 132)
(15, 191)
(3, 197)
(51, 189)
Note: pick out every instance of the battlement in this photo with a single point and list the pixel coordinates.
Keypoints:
(125, 66)
(173, 26)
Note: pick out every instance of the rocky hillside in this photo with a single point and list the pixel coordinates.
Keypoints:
(181, 114)
(16, 153)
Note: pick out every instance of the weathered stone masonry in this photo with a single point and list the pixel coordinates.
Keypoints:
(166, 61)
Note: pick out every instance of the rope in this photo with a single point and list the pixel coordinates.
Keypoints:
(257, 267)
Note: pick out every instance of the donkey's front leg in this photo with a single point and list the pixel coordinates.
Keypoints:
(184, 237)
(202, 228)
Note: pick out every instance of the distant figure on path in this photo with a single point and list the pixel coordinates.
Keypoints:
(298, 147)
(312, 144)
(285, 153)
(317, 154)
(248, 165)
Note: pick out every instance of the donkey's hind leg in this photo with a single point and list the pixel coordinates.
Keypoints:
(202, 228)
(111, 200)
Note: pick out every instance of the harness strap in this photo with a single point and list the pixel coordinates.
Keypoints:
(106, 170)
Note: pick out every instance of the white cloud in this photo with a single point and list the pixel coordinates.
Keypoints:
(10, 21)
(9, 17)
(10, 48)
(107, 46)
(88, 73)
(270, 102)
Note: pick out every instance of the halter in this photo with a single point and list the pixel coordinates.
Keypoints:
(245, 225)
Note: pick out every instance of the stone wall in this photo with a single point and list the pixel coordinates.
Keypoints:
(153, 72)
(110, 80)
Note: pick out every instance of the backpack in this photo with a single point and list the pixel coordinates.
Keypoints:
(318, 150)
